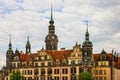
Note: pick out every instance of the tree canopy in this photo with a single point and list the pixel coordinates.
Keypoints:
(85, 76)
(16, 75)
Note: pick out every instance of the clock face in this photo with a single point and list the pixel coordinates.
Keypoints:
(53, 37)
(16, 58)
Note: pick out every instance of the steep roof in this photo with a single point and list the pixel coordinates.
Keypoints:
(27, 57)
(96, 56)
(62, 54)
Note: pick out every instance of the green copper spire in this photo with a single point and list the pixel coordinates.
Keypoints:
(28, 46)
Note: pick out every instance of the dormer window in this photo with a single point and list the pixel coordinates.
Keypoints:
(64, 61)
(57, 62)
(103, 57)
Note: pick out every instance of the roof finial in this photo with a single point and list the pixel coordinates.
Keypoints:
(76, 43)
(51, 21)
(51, 13)
(87, 25)
(10, 44)
(28, 38)
(10, 37)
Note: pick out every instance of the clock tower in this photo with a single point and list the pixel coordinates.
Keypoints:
(87, 47)
(51, 39)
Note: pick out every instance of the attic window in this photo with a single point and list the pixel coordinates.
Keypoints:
(64, 61)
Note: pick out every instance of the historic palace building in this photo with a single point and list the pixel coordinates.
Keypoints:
(53, 64)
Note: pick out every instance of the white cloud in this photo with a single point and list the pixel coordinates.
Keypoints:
(22, 18)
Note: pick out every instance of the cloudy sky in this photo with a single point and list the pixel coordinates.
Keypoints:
(22, 18)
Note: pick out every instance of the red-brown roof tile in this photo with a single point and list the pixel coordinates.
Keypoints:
(110, 55)
(96, 56)
(60, 54)
(27, 57)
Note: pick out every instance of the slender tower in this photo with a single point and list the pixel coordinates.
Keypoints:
(51, 39)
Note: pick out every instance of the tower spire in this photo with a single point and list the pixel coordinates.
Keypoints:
(28, 39)
(87, 26)
(10, 44)
(51, 20)
(87, 33)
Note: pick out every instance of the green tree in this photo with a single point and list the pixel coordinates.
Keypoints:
(85, 76)
(16, 75)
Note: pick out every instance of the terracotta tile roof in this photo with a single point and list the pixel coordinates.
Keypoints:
(63, 54)
(110, 55)
(96, 56)
(27, 57)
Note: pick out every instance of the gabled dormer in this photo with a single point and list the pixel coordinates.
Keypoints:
(103, 55)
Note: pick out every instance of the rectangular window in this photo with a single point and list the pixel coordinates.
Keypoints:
(56, 71)
(35, 78)
(104, 78)
(42, 64)
(100, 78)
(104, 72)
(29, 78)
(24, 72)
(64, 78)
(56, 78)
(29, 72)
(49, 63)
(100, 72)
(96, 78)
(36, 64)
(73, 62)
(73, 78)
(42, 78)
(64, 71)
(96, 72)
(49, 78)
(73, 70)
